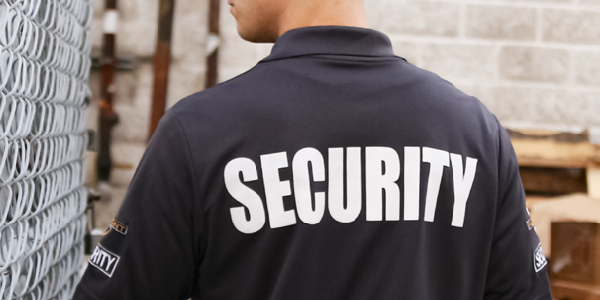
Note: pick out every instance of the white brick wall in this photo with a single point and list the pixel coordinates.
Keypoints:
(533, 63)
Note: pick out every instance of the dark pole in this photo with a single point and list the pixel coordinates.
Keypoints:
(213, 34)
(162, 60)
(108, 117)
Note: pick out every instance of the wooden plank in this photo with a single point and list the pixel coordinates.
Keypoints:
(575, 263)
(573, 208)
(556, 181)
(593, 180)
(562, 289)
(535, 134)
(550, 163)
(575, 249)
(545, 149)
(550, 153)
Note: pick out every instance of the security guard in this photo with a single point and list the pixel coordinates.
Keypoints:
(331, 170)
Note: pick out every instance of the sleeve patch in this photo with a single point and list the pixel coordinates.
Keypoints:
(539, 259)
(529, 222)
(104, 260)
(119, 227)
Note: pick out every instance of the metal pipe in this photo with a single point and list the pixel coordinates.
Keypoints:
(108, 117)
(212, 60)
(162, 61)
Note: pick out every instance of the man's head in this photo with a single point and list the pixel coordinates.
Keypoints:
(258, 20)
(263, 21)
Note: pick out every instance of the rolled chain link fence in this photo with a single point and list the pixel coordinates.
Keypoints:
(44, 66)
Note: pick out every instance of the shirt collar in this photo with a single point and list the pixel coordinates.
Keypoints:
(336, 40)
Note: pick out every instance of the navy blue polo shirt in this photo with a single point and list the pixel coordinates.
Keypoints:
(331, 170)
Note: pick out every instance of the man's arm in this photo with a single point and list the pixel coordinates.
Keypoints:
(517, 268)
(150, 253)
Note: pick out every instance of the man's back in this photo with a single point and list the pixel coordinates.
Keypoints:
(331, 170)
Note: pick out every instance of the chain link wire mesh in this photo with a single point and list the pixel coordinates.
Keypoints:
(44, 65)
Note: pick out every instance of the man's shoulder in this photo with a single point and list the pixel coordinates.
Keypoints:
(223, 96)
(411, 78)
(440, 95)
(248, 94)
(430, 84)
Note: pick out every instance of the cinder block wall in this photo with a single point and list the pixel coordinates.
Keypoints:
(535, 64)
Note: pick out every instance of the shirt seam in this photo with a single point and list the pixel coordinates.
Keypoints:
(233, 79)
(332, 54)
(195, 188)
(498, 199)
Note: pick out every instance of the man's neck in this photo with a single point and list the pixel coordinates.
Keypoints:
(307, 13)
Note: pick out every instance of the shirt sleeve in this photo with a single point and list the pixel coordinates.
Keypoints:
(149, 252)
(517, 266)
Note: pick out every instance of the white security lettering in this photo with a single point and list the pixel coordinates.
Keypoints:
(95, 255)
(462, 186)
(302, 191)
(245, 195)
(382, 170)
(275, 189)
(350, 212)
(111, 260)
(104, 257)
(104, 260)
(412, 180)
(438, 159)
(347, 182)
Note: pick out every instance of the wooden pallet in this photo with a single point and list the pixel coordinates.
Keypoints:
(575, 263)
(546, 149)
